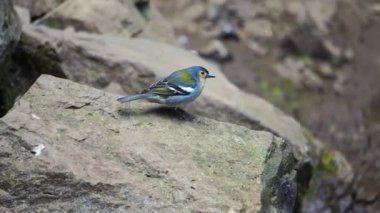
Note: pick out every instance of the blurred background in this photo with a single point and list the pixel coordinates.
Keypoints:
(317, 60)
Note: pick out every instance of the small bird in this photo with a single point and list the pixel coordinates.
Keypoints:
(180, 87)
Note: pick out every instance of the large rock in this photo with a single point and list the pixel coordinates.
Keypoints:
(98, 60)
(128, 65)
(102, 156)
(138, 18)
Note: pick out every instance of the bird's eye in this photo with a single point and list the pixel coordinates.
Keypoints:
(203, 73)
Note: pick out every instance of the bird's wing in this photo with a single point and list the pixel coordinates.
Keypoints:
(164, 88)
(178, 83)
(181, 78)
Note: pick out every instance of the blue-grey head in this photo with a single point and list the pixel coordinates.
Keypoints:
(198, 72)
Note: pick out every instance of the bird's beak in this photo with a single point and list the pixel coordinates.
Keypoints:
(210, 76)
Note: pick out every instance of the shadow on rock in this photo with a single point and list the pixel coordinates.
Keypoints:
(166, 112)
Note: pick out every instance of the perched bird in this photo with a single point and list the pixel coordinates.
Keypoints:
(180, 87)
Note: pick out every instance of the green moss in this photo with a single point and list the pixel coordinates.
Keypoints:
(327, 162)
(264, 86)
(277, 93)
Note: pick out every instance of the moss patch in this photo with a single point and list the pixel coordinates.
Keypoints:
(327, 162)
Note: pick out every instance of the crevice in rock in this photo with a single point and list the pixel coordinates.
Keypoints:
(29, 60)
(304, 175)
(279, 177)
(143, 6)
(36, 18)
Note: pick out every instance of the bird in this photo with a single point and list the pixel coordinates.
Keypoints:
(182, 86)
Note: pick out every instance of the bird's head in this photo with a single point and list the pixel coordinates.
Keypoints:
(200, 72)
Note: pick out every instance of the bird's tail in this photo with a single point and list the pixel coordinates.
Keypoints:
(133, 98)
